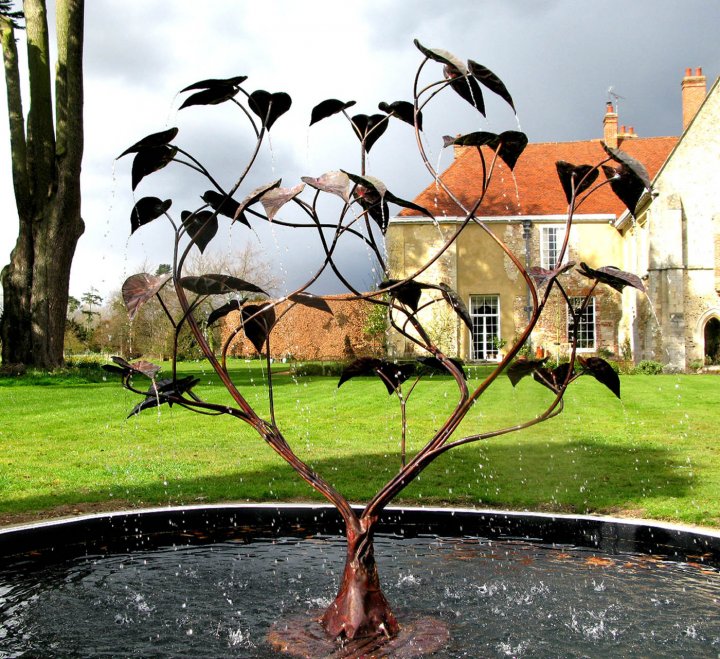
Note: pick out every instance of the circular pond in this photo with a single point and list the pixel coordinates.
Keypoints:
(212, 581)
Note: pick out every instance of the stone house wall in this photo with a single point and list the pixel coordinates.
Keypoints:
(675, 248)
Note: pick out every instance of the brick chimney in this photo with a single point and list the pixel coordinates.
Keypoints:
(610, 126)
(693, 94)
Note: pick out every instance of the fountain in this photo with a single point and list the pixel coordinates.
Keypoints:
(203, 581)
(191, 579)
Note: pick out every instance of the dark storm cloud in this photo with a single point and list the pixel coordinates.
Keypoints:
(559, 58)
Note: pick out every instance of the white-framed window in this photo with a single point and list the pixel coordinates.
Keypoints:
(585, 326)
(551, 242)
(485, 315)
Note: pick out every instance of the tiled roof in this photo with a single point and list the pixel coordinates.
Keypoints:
(534, 188)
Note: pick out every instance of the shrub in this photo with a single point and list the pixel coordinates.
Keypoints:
(304, 369)
(649, 367)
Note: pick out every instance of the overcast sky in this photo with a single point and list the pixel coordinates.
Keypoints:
(557, 57)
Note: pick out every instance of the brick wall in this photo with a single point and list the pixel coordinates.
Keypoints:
(310, 334)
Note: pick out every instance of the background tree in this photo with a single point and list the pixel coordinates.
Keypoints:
(149, 333)
(92, 301)
(46, 150)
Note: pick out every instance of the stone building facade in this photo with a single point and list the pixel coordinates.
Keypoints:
(674, 244)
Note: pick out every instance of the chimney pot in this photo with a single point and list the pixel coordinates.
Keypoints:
(688, 72)
(698, 71)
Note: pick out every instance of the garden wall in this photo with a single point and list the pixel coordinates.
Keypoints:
(304, 333)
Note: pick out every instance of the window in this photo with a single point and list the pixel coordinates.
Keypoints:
(485, 315)
(551, 242)
(585, 327)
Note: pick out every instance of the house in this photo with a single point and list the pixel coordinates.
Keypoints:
(527, 209)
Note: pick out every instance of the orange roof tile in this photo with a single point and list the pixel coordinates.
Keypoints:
(534, 188)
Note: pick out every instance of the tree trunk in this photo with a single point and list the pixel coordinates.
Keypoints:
(360, 608)
(46, 160)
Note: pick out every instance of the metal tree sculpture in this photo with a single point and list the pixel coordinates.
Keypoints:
(360, 609)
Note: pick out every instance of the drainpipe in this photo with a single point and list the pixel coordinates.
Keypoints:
(527, 226)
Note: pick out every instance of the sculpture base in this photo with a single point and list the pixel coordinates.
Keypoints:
(299, 636)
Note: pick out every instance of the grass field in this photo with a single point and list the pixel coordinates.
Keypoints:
(66, 445)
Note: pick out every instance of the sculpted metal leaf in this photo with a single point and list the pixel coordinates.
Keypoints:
(275, 199)
(155, 139)
(224, 310)
(146, 210)
(479, 138)
(150, 159)
(312, 301)
(328, 108)
(553, 379)
(455, 301)
(372, 194)
(628, 181)
(362, 366)
(602, 372)
(138, 289)
(403, 110)
(522, 367)
(627, 187)
(369, 128)
(164, 391)
(211, 96)
(442, 56)
(223, 204)
(512, 144)
(336, 183)
(542, 277)
(491, 81)
(467, 88)
(629, 163)
(269, 107)
(201, 227)
(579, 177)
(408, 292)
(142, 367)
(509, 145)
(252, 198)
(215, 83)
(216, 284)
(391, 374)
(612, 276)
(258, 320)
(434, 364)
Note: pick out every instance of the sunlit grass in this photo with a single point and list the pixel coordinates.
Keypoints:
(653, 454)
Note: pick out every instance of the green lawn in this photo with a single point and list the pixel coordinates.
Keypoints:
(65, 445)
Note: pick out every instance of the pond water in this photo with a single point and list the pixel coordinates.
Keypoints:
(498, 598)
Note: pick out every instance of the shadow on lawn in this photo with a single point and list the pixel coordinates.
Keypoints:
(579, 476)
